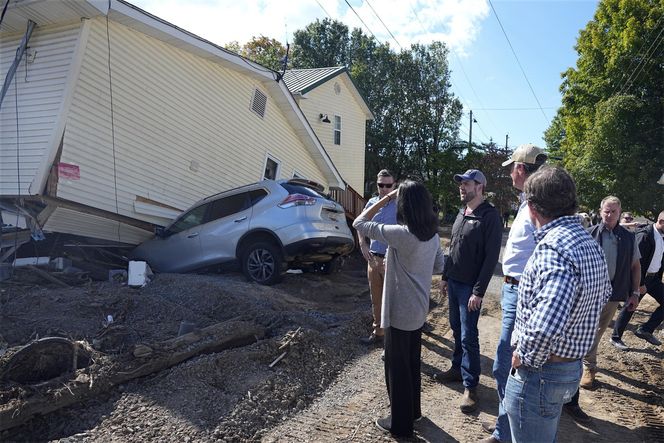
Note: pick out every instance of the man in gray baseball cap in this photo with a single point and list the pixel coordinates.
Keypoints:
(473, 254)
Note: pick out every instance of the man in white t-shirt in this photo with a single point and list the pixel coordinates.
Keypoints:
(651, 245)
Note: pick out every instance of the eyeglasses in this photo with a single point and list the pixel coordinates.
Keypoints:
(628, 218)
(385, 185)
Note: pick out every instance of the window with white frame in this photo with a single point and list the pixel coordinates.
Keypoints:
(271, 169)
(337, 129)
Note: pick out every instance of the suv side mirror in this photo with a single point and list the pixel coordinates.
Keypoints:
(160, 232)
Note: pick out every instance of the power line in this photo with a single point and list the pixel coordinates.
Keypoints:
(359, 18)
(639, 56)
(384, 25)
(642, 63)
(326, 13)
(518, 62)
(512, 109)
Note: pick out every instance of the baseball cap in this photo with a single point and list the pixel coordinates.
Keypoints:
(527, 153)
(471, 174)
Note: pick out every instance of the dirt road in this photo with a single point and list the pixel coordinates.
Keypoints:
(327, 387)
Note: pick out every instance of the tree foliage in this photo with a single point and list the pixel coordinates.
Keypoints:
(264, 50)
(610, 128)
(416, 117)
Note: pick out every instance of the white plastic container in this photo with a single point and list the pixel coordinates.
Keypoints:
(139, 274)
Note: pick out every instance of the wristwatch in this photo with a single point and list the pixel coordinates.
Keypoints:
(637, 293)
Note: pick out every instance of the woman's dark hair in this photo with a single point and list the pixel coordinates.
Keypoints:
(415, 210)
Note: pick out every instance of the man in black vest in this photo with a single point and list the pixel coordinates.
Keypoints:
(651, 246)
(622, 259)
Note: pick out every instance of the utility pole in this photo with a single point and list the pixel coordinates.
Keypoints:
(507, 136)
(470, 132)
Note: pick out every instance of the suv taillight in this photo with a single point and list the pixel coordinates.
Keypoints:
(297, 200)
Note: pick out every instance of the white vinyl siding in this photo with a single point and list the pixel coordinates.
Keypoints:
(41, 85)
(348, 156)
(170, 108)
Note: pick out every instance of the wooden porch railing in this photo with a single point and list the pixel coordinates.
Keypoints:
(352, 202)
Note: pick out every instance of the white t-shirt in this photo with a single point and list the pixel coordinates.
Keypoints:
(656, 261)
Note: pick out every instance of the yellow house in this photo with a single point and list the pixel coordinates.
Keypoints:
(338, 114)
(114, 120)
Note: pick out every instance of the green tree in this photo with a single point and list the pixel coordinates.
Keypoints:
(610, 128)
(321, 44)
(264, 50)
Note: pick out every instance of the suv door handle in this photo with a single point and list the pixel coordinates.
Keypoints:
(238, 220)
(193, 235)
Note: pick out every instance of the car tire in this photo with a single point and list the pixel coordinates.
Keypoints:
(262, 262)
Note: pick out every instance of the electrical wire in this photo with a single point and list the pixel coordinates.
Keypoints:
(326, 13)
(639, 55)
(358, 16)
(18, 173)
(110, 90)
(642, 63)
(4, 10)
(518, 62)
(384, 25)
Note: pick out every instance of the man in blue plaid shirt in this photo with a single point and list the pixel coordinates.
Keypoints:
(561, 294)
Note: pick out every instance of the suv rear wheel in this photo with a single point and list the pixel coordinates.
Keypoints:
(262, 263)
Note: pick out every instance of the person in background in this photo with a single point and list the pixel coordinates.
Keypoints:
(651, 246)
(374, 252)
(413, 256)
(474, 248)
(627, 222)
(622, 258)
(520, 245)
(562, 291)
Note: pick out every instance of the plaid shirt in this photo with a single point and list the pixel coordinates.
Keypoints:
(561, 294)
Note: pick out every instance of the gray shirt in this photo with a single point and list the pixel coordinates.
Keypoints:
(409, 265)
(610, 247)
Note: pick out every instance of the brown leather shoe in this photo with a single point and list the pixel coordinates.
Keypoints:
(451, 375)
(470, 401)
(588, 378)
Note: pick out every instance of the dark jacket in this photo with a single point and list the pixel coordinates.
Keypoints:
(474, 247)
(646, 241)
(622, 280)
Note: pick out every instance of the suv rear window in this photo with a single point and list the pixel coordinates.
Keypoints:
(299, 189)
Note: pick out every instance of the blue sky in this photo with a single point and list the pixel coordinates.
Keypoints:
(485, 73)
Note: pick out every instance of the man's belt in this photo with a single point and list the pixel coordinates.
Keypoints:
(376, 254)
(651, 274)
(556, 359)
(511, 280)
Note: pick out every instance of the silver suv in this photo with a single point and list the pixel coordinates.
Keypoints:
(268, 226)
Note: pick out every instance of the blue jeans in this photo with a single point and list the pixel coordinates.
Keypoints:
(534, 399)
(464, 326)
(503, 361)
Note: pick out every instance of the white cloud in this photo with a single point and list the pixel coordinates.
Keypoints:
(455, 22)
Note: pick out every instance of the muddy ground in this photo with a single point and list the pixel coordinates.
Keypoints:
(327, 388)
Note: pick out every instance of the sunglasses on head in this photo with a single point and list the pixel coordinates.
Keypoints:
(385, 185)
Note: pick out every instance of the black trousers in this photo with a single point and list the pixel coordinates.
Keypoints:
(403, 350)
(655, 288)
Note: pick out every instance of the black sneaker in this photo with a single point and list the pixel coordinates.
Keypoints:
(385, 423)
(373, 339)
(647, 336)
(618, 343)
(576, 413)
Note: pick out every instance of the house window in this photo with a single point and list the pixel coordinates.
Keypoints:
(337, 129)
(271, 169)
